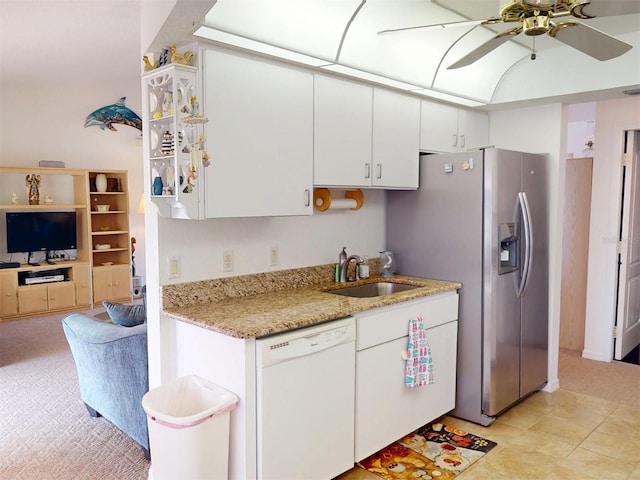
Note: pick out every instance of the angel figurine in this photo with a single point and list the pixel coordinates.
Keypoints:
(33, 182)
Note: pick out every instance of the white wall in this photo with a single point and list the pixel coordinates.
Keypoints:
(541, 129)
(301, 241)
(46, 122)
(613, 117)
(580, 129)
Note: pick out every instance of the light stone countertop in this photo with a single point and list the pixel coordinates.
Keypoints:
(257, 313)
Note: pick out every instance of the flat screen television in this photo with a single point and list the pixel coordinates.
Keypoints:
(40, 231)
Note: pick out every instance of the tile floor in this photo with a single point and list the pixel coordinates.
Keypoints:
(554, 436)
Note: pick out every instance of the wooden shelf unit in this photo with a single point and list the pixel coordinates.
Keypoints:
(111, 267)
(95, 275)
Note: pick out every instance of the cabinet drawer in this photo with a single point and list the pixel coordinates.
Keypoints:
(388, 323)
(386, 410)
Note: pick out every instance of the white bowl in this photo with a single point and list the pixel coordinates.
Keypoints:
(102, 208)
(103, 246)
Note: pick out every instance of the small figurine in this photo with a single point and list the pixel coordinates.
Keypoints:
(148, 66)
(181, 59)
(33, 182)
(14, 199)
(195, 106)
(48, 200)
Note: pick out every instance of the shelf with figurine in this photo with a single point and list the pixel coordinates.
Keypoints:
(175, 144)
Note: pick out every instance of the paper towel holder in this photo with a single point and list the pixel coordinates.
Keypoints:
(323, 200)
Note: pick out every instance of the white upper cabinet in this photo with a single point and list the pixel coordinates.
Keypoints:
(343, 113)
(364, 136)
(444, 128)
(259, 137)
(396, 140)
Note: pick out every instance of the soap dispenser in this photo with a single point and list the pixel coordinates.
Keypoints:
(342, 258)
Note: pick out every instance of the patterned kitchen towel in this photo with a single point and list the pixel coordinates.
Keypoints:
(419, 365)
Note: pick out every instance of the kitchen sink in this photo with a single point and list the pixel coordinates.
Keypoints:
(373, 289)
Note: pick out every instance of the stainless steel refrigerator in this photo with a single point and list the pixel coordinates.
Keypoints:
(481, 218)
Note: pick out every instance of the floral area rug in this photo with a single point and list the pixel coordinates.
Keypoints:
(433, 451)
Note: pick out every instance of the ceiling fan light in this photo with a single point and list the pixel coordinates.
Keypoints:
(535, 25)
(544, 4)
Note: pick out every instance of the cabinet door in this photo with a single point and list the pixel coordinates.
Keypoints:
(81, 281)
(9, 293)
(438, 127)
(259, 136)
(33, 298)
(101, 284)
(396, 140)
(473, 129)
(121, 282)
(386, 410)
(111, 283)
(61, 295)
(342, 132)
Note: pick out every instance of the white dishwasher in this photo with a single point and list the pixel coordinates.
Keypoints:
(305, 391)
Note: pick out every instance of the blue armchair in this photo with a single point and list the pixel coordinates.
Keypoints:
(112, 371)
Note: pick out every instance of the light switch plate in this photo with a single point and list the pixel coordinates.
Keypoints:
(173, 266)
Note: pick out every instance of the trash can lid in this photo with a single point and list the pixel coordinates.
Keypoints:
(187, 401)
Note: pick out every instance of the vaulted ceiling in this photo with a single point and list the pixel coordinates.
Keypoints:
(94, 39)
(344, 36)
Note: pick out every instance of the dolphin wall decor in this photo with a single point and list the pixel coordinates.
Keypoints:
(116, 113)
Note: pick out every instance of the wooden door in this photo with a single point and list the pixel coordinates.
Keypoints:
(33, 298)
(121, 282)
(9, 292)
(575, 252)
(81, 281)
(101, 284)
(61, 295)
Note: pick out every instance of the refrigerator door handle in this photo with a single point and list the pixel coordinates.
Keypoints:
(528, 243)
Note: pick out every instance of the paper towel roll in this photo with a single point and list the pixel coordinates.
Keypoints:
(342, 203)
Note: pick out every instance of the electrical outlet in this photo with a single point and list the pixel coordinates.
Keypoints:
(274, 256)
(173, 269)
(227, 261)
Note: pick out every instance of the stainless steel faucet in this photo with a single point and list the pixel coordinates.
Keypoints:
(344, 267)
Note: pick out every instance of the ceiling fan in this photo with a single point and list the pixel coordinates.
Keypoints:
(538, 17)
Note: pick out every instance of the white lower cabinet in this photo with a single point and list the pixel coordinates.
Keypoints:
(386, 409)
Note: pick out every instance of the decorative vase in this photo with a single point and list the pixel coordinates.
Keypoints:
(101, 182)
(157, 186)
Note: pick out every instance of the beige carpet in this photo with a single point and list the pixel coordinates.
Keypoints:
(615, 381)
(45, 430)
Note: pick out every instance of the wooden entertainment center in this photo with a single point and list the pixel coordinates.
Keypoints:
(100, 269)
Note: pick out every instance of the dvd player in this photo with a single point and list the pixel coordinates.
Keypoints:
(9, 264)
(47, 279)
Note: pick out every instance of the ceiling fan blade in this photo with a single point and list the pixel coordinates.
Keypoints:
(588, 40)
(606, 8)
(465, 23)
(485, 48)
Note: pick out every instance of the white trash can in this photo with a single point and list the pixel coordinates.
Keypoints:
(188, 421)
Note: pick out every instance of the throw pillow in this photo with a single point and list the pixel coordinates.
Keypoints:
(126, 315)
